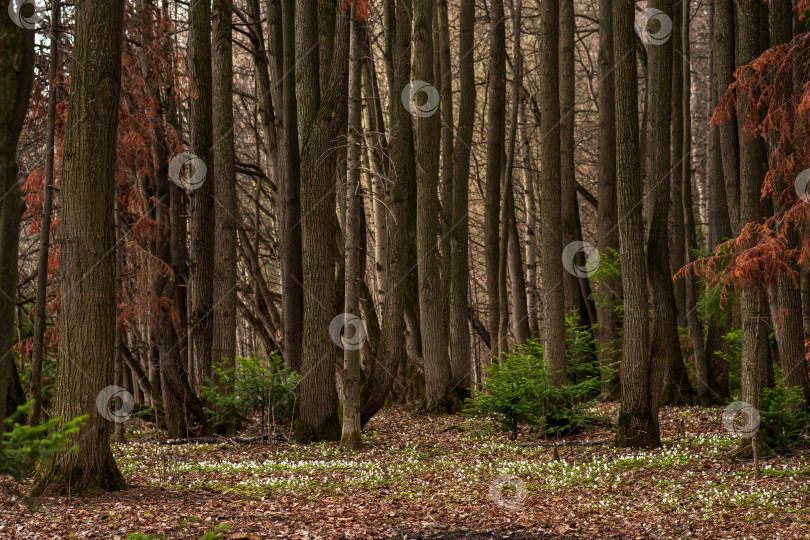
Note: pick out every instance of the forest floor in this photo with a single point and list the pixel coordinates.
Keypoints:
(445, 477)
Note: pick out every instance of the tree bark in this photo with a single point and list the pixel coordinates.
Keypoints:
(225, 219)
(638, 416)
(427, 141)
(529, 170)
(723, 47)
(88, 323)
(40, 310)
(460, 364)
(321, 87)
(550, 199)
(607, 331)
(350, 436)
(202, 207)
(496, 113)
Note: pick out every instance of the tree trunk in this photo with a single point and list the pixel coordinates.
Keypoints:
(460, 365)
(427, 141)
(723, 48)
(679, 160)
(496, 113)
(608, 291)
(40, 310)
(754, 309)
(88, 323)
(226, 222)
(350, 437)
(321, 86)
(392, 340)
(202, 208)
(550, 196)
(529, 170)
(16, 78)
(638, 416)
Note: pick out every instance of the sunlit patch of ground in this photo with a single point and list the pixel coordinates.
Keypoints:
(448, 477)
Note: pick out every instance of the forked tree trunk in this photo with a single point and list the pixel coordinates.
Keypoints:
(88, 324)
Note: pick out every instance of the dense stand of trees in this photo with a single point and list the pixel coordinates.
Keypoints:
(368, 189)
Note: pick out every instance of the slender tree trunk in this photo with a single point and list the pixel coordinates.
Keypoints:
(350, 437)
(460, 364)
(224, 327)
(530, 240)
(691, 283)
(40, 310)
(88, 323)
(427, 141)
(679, 162)
(444, 76)
(16, 78)
(638, 416)
(392, 341)
(550, 199)
(496, 113)
(570, 208)
(723, 47)
(202, 208)
(609, 291)
(754, 309)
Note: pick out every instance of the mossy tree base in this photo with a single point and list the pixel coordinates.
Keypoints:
(66, 479)
(351, 441)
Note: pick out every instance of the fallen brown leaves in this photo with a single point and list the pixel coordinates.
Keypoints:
(428, 477)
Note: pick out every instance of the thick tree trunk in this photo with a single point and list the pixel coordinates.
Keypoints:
(427, 141)
(88, 323)
(40, 310)
(321, 87)
(609, 291)
(638, 417)
(460, 364)
(202, 208)
(666, 351)
(226, 221)
(550, 196)
(496, 117)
